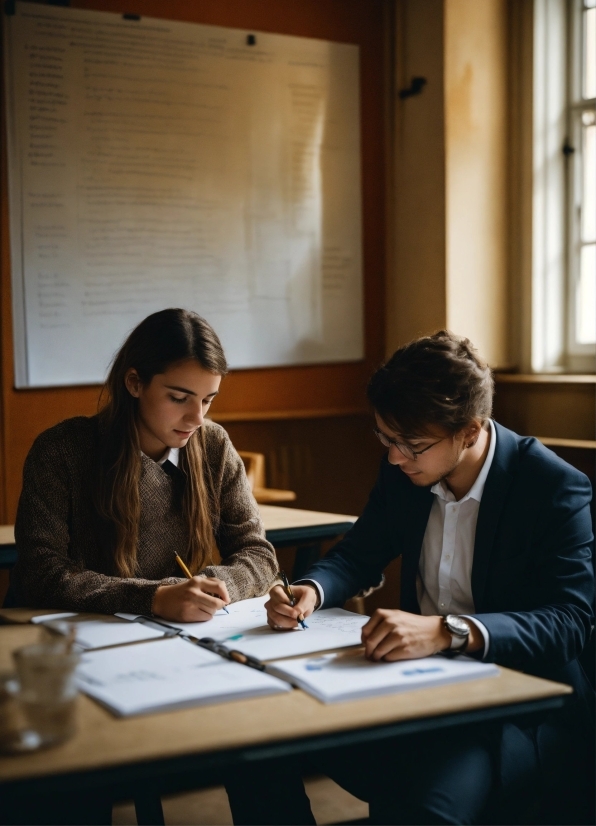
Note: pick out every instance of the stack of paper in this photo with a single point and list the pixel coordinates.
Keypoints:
(166, 675)
(245, 629)
(349, 676)
(100, 633)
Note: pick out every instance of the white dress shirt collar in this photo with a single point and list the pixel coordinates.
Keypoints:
(171, 454)
(475, 492)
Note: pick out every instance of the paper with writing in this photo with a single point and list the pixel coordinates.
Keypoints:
(246, 629)
(168, 674)
(349, 676)
(157, 163)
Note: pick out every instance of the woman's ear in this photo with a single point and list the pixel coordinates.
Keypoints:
(132, 382)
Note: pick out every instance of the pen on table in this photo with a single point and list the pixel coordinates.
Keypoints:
(290, 595)
(188, 574)
(228, 653)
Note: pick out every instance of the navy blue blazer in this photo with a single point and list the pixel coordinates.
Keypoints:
(532, 572)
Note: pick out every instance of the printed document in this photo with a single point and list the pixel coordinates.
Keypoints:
(332, 678)
(168, 674)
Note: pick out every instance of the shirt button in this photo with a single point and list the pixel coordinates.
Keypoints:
(448, 556)
(442, 605)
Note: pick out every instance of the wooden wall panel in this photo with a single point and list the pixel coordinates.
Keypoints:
(558, 410)
(330, 463)
(268, 393)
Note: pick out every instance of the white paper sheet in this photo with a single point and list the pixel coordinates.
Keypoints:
(102, 633)
(41, 618)
(333, 678)
(242, 616)
(246, 629)
(168, 674)
(98, 634)
(157, 163)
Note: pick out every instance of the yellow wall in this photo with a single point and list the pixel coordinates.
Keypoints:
(476, 173)
(449, 263)
(416, 297)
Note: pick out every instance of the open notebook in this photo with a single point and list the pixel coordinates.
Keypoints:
(332, 678)
(245, 629)
(168, 674)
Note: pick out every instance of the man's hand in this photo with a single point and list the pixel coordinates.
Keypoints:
(396, 635)
(281, 615)
(194, 600)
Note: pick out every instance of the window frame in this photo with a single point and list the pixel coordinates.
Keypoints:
(579, 356)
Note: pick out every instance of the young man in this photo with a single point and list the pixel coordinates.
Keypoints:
(495, 536)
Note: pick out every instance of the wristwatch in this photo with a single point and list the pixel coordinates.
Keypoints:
(460, 634)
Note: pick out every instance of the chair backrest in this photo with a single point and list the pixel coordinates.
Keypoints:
(254, 464)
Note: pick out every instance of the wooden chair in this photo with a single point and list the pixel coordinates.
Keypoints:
(254, 464)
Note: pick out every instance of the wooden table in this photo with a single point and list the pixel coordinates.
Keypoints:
(304, 529)
(283, 527)
(8, 551)
(193, 748)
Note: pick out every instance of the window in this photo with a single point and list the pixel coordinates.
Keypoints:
(580, 150)
(557, 270)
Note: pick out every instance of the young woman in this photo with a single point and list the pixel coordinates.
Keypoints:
(109, 500)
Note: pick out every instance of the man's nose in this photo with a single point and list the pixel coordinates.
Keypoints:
(395, 456)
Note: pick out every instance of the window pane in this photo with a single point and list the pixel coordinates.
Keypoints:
(589, 4)
(586, 297)
(589, 56)
(588, 232)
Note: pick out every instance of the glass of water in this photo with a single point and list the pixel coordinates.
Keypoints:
(47, 690)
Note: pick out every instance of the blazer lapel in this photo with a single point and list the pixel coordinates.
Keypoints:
(415, 525)
(494, 495)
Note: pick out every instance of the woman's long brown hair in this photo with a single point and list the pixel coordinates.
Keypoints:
(160, 340)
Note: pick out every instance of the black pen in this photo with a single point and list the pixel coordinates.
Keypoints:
(290, 595)
(229, 653)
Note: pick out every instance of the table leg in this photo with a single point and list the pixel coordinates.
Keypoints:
(149, 810)
(306, 556)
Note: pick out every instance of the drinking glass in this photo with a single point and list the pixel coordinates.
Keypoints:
(47, 690)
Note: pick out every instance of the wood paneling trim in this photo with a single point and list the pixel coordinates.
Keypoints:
(269, 415)
(545, 378)
(582, 444)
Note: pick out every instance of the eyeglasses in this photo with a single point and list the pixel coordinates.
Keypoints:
(406, 450)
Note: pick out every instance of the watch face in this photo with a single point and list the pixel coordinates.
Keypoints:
(457, 625)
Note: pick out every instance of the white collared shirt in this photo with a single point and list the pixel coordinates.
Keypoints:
(444, 581)
(171, 454)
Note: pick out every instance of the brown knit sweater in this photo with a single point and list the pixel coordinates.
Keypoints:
(61, 563)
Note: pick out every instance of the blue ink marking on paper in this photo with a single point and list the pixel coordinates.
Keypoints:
(429, 670)
(317, 664)
(235, 637)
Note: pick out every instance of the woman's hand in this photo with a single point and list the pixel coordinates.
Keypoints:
(281, 615)
(195, 600)
(397, 635)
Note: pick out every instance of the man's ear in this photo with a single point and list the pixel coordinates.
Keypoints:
(472, 432)
(132, 382)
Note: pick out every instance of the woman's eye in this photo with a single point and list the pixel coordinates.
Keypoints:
(178, 399)
(207, 402)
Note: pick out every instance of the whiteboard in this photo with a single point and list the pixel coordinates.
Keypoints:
(159, 164)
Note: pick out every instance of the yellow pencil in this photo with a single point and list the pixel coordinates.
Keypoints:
(188, 574)
(182, 564)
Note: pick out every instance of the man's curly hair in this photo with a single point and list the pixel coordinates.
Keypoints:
(433, 380)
